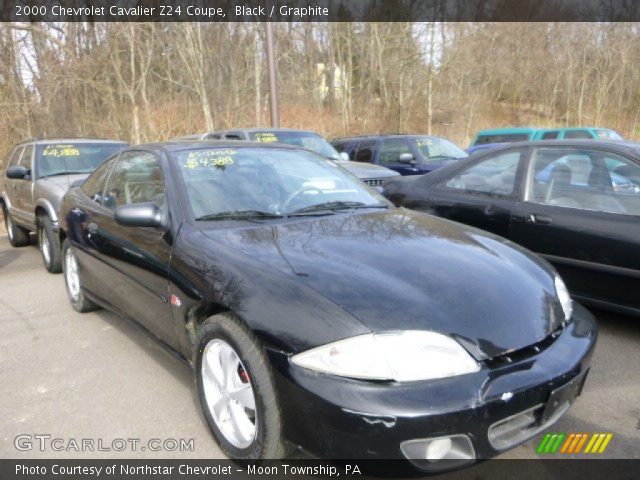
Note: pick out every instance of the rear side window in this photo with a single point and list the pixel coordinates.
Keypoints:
(584, 179)
(365, 151)
(578, 134)
(550, 135)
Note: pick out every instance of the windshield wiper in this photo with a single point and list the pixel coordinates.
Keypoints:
(337, 205)
(238, 215)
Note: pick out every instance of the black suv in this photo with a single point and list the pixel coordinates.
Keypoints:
(406, 154)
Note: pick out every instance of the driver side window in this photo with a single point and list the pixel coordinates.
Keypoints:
(494, 176)
(392, 148)
(136, 178)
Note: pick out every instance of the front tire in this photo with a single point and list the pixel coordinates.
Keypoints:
(237, 391)
(49, 244)
(18, 236)
(73, 282)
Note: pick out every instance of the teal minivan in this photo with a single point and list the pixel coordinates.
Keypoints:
(486, 139)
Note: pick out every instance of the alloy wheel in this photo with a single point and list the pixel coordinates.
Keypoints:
(229, 393)
(45, 247)
(71, 274)
(9, 223)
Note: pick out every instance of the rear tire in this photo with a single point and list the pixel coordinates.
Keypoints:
(18, 236)
(49, 244)
(73, 282)
(249, 426)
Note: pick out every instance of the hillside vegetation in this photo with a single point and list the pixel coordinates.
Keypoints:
(146, 82)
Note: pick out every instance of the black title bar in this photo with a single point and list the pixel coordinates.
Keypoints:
(321, 11)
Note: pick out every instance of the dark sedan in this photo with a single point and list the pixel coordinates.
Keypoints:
(576, 203)
(317, 314)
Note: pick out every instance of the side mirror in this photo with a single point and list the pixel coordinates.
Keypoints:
(407, 158)
(146, 214)
(344, 156)
(18, 173)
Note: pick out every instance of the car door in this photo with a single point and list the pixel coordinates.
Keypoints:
(23, 203)
(581, 211)
(10, 183)
(136, 259)
(389, 155)
(481, 193)
(80, 218)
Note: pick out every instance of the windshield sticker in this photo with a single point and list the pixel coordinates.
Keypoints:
(210, 158)
(61, 151)
(266, 137)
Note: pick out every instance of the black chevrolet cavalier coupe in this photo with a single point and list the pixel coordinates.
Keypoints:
(317, 314)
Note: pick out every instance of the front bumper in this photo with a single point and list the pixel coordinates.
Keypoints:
(340, 418)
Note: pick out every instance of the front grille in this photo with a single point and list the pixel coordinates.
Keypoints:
(374, 182)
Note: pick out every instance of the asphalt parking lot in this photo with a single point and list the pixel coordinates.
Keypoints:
(96, 376)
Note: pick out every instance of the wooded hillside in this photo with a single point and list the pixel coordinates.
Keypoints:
(145, 82)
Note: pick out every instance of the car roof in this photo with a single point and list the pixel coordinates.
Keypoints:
(617, 145)
(580, 128)
(42, 141)
(265, 129)
(509, 130)
(182, 145)
(383, 135)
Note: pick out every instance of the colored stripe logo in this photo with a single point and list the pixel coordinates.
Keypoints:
(592, 443)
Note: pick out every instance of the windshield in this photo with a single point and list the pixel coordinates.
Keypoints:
(264, 182)
(309, 140)
(69, 158)
(434, 148)
(612, 134)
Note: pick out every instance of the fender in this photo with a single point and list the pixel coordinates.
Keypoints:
(51, 212)
(6, 201)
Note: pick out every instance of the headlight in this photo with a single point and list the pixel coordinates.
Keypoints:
(400, 356)
(564, 297)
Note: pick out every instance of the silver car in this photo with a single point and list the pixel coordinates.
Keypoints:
(38, 174)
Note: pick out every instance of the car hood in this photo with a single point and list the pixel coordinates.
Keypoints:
(403, 270)
(367, 170)
(62, 182)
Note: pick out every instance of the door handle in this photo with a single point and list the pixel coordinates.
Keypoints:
(539, 219)
(490, 210)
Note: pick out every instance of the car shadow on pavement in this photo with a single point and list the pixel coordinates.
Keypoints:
(159, 353)
(7, 257)
(621, 324)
